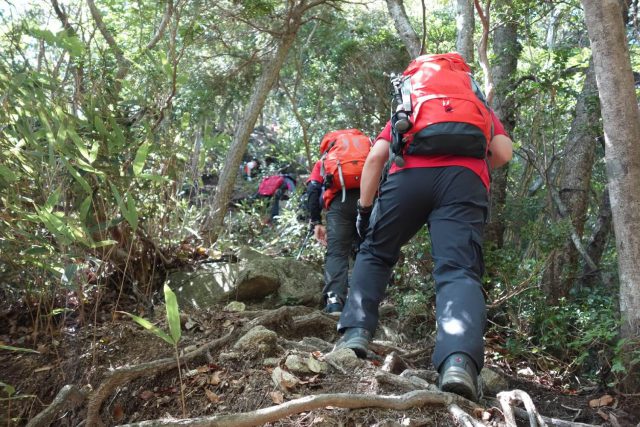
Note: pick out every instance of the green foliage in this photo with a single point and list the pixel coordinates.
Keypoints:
(11, 348)
(173, 318)
(100, 171)
(8, 389)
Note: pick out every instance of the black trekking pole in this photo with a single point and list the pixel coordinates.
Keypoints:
(304, 242)
(400, 121)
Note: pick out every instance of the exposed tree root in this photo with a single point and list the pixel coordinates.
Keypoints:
(273, 318)
(552, 422)
(404, 383)
(339, 400)
(125, 374)
(69, 397)
(463, 418)
(508, 398)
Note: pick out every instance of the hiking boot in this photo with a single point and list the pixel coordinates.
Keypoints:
(356, 339)
(459, 375)
(334, 309)
(334, 304)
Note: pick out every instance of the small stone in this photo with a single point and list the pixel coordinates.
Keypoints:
(235, 306)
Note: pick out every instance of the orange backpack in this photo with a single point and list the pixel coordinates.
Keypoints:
(449, 113)
(343, 155)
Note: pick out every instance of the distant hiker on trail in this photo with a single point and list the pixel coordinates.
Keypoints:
(250, 169)
(334, 184)
(444, 140)
(278, 188)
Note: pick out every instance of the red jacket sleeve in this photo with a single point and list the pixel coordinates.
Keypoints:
(386, 133)
(498, 128)
(315, 173)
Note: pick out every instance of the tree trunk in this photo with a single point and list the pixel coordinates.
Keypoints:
(505, 63)
(575, 182)
(403, 26)
(465, 22)
(598, 240)
(621, 119)
(266, 81)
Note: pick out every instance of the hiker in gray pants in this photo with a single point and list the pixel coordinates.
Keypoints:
(450, 194)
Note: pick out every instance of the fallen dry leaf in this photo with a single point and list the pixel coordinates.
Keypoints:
(203, 369)
(213, 398)
(214, 379)
(146, 395)
(606, 400)
(283, 379)
(277, 397)
(118, 412)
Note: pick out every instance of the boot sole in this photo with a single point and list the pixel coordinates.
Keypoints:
(358, 345)
(458, 381)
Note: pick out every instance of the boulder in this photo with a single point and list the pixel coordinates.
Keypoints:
(205, 286)
(259, 341)
(254, 277)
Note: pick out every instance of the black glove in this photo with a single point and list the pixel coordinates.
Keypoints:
(362, 221)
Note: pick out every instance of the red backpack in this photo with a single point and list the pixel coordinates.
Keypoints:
(343, 155)
(269, 185)
(449, 113)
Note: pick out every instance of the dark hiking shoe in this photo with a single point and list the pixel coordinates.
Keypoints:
(356, 339)
(334, 304)
(459, 375)
(334, 309)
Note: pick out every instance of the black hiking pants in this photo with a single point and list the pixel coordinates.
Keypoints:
(453, 202)
(341, 238)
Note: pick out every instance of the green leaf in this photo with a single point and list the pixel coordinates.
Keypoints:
(24, 350)
(150, 327)
(84, 208)
(99, 124)
(116, 136)
(128, 210)
(80, 145)
(8, 388)
(173, 314)
(52, 200)
(7, 174)
(103, 243)
(83, 182)
(141, 157)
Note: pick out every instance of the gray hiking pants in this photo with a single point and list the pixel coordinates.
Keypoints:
(453, 202)
(341, 237)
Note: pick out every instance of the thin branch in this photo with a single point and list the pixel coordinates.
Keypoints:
(163, 25)
(482, 48)
(308, 403)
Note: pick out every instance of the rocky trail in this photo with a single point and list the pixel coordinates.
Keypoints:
(259, 362)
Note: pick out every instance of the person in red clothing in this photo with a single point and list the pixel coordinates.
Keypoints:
(449, 193)
(339, 236)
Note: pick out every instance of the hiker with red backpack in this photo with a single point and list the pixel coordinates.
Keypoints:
(334, 184)
(277, 187)
(442, 141)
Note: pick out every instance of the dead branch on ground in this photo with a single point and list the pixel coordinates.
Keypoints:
(338, 400)
(69, 397)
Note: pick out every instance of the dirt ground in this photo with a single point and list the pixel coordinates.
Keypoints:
(215, 383)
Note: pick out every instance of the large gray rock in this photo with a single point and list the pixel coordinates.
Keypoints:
(207, 285)
(254, 277)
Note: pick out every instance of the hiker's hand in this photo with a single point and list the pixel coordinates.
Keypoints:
(320, 233)
(362, 221)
